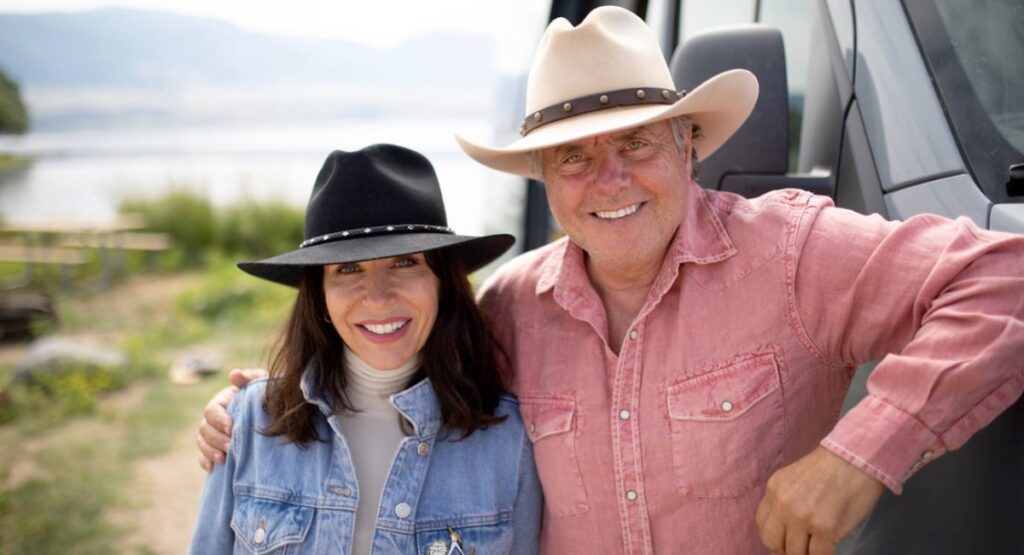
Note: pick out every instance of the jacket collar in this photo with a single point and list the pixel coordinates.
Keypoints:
(700, 239)
(418, 404)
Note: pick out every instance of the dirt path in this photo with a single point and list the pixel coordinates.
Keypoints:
(167, 497)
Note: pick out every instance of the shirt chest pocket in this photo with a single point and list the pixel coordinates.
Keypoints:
(727, 426)
(552, 426)
(269, 526)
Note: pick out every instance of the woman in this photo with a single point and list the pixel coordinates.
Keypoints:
(382, 427)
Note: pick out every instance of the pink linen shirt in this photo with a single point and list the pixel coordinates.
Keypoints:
(739, 361)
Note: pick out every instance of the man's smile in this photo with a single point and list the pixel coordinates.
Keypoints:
(620, 213)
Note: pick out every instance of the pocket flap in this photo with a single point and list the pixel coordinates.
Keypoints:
(263, 525)
(545, 416)
(725, 393)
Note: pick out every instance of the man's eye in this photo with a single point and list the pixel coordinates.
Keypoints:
(635, 145)
(573, 159)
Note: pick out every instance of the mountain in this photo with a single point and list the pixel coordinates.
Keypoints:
(159, 56)
(141, 48)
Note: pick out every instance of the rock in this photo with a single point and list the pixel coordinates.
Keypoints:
(55, 354)
(191, 366)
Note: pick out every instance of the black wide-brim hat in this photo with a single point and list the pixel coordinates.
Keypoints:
(378, 202)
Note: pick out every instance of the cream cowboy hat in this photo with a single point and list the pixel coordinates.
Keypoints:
(608, 74)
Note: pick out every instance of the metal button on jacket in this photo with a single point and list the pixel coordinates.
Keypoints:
(403, 510)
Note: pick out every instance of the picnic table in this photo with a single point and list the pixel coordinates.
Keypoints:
(66, 243)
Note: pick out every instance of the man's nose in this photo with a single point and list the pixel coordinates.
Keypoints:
(612, 173)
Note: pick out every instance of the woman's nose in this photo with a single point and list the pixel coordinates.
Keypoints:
(379, 288)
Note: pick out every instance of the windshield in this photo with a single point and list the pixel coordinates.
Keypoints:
(975, 52)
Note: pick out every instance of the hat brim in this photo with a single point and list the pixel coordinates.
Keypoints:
(719, 106)
(287, 268)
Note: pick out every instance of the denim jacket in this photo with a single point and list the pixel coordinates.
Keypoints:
(271, 496)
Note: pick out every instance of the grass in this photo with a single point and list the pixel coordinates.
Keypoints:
(82, 470)
(71, 443)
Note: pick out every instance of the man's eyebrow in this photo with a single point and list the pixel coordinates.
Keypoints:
(638, 132)
(564, 149)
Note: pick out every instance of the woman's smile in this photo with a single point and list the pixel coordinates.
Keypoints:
(385, 331)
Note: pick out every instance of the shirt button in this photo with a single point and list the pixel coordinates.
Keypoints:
(259, 536)
(727, 406)
(631, 495)
(633, 334)
(533, 427)
(423, 449)
(403, 510)
(926, 455)
(624, 415)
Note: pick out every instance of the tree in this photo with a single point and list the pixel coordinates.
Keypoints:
(13, 116)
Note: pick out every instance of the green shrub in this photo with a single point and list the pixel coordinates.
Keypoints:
(229, 296)
(247, 230)
(184, 215)
(62, 390)
(13, 115)
(259, 229)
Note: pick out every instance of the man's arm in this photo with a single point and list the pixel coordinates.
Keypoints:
(947, 301)
(214, 436)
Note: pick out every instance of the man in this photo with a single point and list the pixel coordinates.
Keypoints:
(681, 357)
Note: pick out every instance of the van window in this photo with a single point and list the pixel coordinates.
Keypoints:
(974, 50)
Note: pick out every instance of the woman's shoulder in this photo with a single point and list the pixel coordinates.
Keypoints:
(508, 407)
(248, 400)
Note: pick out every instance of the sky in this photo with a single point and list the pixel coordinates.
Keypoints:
(352, 20)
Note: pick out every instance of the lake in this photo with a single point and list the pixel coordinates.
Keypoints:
(83, 174)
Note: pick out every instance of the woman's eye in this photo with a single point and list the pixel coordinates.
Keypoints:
(347, 269)
(405, 262)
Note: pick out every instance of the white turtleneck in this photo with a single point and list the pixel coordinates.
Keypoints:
(373, 434)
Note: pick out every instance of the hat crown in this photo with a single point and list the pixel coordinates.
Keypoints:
(611, 49)
(379, 185)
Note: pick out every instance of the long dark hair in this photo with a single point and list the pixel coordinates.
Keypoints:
(460, 357)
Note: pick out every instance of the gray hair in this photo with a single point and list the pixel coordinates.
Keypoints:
(680, 125)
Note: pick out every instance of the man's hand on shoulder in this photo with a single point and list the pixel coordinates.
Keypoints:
(215, 430)
(813, 503)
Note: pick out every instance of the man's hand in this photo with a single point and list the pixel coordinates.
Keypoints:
(215, 429)
(813, 503)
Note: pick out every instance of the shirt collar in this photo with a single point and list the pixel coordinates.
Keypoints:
(418, 404)
(701, 239)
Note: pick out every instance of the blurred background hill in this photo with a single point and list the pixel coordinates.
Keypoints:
(120, 66)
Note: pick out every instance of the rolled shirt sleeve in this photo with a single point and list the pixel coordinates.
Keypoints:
(940, 302)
